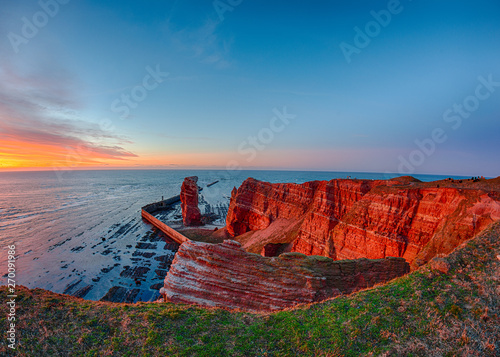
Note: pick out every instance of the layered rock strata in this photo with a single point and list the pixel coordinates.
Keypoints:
(191, 215)
(349, 219)
(225, 275)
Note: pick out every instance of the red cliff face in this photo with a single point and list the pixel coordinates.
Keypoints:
(225, 275)
(349, 219)
(191, 215)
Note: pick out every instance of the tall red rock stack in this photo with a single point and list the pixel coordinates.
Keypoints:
(191, 215)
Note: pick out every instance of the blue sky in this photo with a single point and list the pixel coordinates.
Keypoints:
(230, 72)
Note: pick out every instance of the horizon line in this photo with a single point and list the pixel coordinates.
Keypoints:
(217, 168)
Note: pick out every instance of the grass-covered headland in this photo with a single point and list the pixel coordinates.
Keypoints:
(426, 313)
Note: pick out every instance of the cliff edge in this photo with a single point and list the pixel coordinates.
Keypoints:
(225, 275)
(350, 219)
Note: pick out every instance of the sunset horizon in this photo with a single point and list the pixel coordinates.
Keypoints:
(250, 178)
(340, 88)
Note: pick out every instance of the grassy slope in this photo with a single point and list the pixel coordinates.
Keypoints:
(425, 313)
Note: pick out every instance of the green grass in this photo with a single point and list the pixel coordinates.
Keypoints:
(422, 314)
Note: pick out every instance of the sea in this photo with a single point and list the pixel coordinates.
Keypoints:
(82, 234)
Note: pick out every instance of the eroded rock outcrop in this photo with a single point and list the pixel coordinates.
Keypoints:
(349, 219)
(225, 275)
(191, 215)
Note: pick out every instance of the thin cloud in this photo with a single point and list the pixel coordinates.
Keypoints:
(202, 43)
(39, 111)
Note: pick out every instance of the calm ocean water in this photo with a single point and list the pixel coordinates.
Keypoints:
(82, 231)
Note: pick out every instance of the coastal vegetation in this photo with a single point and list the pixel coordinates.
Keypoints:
(432, 311)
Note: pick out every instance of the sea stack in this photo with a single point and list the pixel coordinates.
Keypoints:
(191, 215)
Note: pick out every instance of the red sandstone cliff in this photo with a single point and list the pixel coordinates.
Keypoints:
(191, 215)
(349, 219)
(225, 275)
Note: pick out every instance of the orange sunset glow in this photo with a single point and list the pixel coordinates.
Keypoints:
(18, 154)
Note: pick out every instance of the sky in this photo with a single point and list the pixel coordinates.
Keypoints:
(410, 87)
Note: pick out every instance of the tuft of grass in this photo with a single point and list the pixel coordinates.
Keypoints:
(422, 314)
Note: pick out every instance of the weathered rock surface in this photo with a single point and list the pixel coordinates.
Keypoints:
(349, 219)
(225, 275)
(191, 215)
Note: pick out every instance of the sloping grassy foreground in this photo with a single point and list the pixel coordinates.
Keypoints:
(426, 313)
